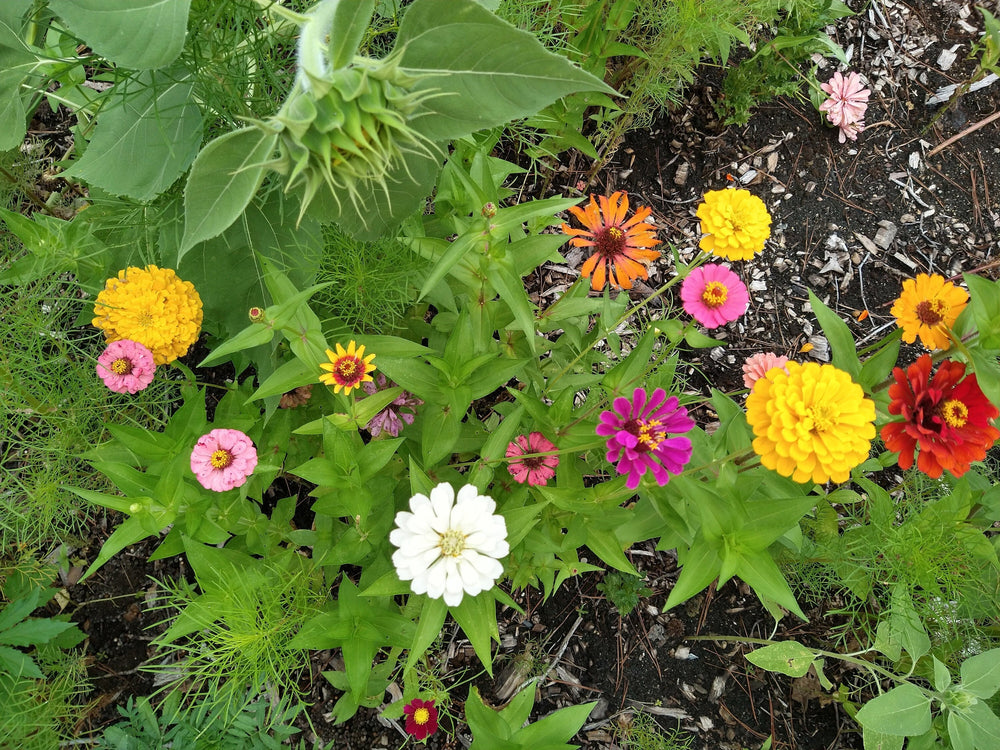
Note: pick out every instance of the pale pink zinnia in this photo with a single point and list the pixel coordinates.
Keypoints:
(757, 366)
(223, 459)
(714, 295)
(126, 366)
(390, 420)
(535, 470)
(639, 436)
(846, 106)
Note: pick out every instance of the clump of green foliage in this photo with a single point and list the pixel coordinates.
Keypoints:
(639, 731)
(624, 591)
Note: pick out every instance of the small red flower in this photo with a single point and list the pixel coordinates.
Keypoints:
(946, 416)
(421, 718)
(535, 470)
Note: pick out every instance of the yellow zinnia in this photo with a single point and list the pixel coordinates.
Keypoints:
(152, 306)
(927, 308)
(735, 223)
(812, 422)
(348, 368)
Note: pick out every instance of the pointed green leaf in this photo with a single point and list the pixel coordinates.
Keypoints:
(19, 664)
(34, 632)
(223, 180)
(985, 726)
(429, 624)
(844, 352)
(787, 657)
(13, 117)
(765, 578)
(477, 616)
(905, 710)
(506, 72)
(145, 137)
(981, 673)
(139, 34)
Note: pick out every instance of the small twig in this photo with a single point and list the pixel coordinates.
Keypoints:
(971, 129)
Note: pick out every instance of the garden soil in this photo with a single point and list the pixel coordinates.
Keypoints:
(918, 192)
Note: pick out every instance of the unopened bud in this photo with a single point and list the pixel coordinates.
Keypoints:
(256, 314)
(489, 210)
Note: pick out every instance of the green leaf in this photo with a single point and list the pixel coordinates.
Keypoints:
(13, 117)
(477, 616)
(19, 664)
(844, 351)
(985, 726)
(984, 362)
(513, 294)
(787, 657)
(878, 367)
(34, 632)
(877, 741)
(223, 180)
(701, 565)
(335, 30)
(139, 34)
(19, 609)
(556, 728)
(905, 710)
(429, 625)
(129, 532)
(760, 571)
(489, 729)
(506, 72)
(981, 673)
(960, 732)
(985, 303)
(145, 138)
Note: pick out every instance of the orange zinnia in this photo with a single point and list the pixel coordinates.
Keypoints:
(621, 248)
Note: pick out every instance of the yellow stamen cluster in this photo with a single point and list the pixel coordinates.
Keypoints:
(715, 294)
(152, 306)
(954, 413)
(927, 308)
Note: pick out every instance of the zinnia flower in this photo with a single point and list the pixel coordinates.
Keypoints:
(621, 248)
(945, 416)
(223, 459)
(812, 422)
(402, 409)
(449, 547)
(535, 470)
(735, 223)
(153, 307)
(296, 397)
(714, 295)
(928, 307)
(421, 718)
(756, 366)
(126, 366)
(846, 106)
(347, 369)
(638, 436)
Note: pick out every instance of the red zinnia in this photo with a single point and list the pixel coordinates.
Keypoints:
(421, 718)
(621, 248)
(946, 416)
(535, 470)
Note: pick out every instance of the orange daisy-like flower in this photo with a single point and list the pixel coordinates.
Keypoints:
(927, 308)
(621, 248)
(347, 368)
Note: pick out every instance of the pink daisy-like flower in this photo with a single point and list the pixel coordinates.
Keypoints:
(714, 295)
(846, 106)
(402, 409)
(223, 459)
(126, 366)
(756, 366)
(535, 470)
(421, 718)
(638, 436)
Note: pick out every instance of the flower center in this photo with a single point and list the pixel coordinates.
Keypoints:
(930, 312)
(715, 294)
(954, 413)
(649, 434)
(610, 241)
(221, 459)
(122, 366)
(347, 367)
(421, 716)
(144, 319)
(821, 416)
(452, 543)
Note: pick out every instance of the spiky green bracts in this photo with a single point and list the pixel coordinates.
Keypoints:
(347, 129)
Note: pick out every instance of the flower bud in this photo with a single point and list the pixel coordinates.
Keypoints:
(256, 314)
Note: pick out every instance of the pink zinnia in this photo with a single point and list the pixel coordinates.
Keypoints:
(402, 409)
(714, 295)
(535, 470)
(421, 718)
(846, 106)
(757, 366)
(223, 459)
(126, 366)
(637, 433)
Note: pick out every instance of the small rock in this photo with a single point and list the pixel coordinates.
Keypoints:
(885, 235)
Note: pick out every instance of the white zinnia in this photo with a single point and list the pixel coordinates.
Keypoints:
(449, 547)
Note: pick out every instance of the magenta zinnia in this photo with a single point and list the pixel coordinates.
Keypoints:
(946, 416)
(537, 469)
(223, 459)
(391, 419)
(714, 295)
(421, 718)
(647, 435)
(126, 366)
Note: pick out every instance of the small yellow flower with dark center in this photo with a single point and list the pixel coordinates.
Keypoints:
(153, 307)
(735, 223)
(714, 294)
(347, 368)
(928, 307)
(811, 422)
(621, 248)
